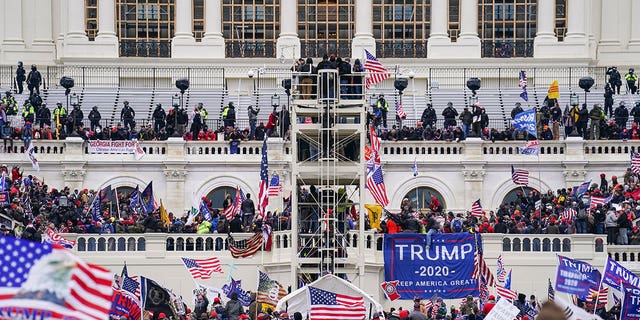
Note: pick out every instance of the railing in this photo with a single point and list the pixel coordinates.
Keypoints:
(310, 48)
(401, 49)
(507, 48)
(137, 77)
(628, 253)
(250, 49)
(136, 48)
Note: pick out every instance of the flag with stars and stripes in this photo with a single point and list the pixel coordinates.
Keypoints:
(484, 291)
(505, 291)
(476, 209)
(202, 268)
(522, 83)
(635, 162)
(274, 186)
(551, 293)
(568, 214)
(480, 268)
(601, 295)
(375, 145)
(519, 176)
(501, 272)
(375, 184)
(400, 111)
(263, 194)
(327, 305)
(595, 201)
(377, 72)
(269, 291)
(234, 209)
(125, 274)
(51, 282)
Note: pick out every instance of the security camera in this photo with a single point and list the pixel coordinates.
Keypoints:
(412, 74)
(251, 73)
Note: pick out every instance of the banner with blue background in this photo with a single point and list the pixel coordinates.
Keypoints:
(444, 269)
(526, 121)
(576, 277)
(631, 304)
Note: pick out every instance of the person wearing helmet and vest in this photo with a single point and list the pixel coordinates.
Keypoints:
(60, 114)
(11, 104)
(20, 77)
(29, 113)
(34, 80)
(383, 106)
(127, 115)
(631, 78)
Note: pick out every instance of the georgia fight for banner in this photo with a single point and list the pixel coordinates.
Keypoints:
(445, 268)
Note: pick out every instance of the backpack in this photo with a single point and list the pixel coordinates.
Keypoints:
(456, 225)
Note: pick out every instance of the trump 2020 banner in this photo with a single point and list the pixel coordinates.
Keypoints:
(576, 277)
(122, 305)
(526, 120)
(631, 304)
(444, 268)
(615, 273)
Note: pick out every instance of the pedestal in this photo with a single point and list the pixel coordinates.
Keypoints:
(288, 46)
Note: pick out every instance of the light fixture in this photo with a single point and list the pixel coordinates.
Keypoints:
(574, 100)
(74, 100)
(251, 73)
(412, 74)
(175, 100)
(275, 100)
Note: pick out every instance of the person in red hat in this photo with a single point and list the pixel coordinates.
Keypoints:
(489, 305)
(162, 315)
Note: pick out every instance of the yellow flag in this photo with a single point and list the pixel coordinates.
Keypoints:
(164, 217)
(375, 213)
(554, 90)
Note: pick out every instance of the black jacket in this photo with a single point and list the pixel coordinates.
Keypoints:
(428, 116)
(159, 114)
(94, 116)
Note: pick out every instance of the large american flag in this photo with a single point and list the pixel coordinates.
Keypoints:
(327, 305)
(476, 209)
(400, 111)
(125, 274)
(375, 184)
(377, 72)
(595, 201)
(202, 268)
(85, 293)
(501, 271)
(274, 186)
(568, 214)
(52, 237)
(247, 247)
(269, 291)
(635, 162)
(263, 195)
(519, 176)
(602, 295)
(480, 268)
(234, 209)
(375, 144)
(484, 291)
(131, 287)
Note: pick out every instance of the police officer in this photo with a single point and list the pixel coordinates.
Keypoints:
(29, 113)
(449, 113)
(77, 116)
(428, 117)
(621, 116)
(127, 115)
(60, 114)
(635, 113)
(614, 79)
(383, 106)
(159, 117)
(203, 112)
(229, 115)
(20, 77)
(44, 116)
(34, 80)
(11, 104)
(631, 78)
(94, 118)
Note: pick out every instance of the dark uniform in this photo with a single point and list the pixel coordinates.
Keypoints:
(20, 77)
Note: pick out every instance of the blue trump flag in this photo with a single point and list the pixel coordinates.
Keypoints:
(615, 273)
(146, 199)
(526, 120)
(444, 269)
(582, 189)
(576, 277)
(235, 286)
(631, 304)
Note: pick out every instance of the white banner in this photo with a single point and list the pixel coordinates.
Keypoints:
(503, 310)
(117, 146)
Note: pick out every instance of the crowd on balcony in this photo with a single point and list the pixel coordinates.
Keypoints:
(609, 207)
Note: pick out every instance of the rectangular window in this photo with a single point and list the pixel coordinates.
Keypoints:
(251, 27)
(507, 29)
(145, 27)
(401, 27)
(91, 18)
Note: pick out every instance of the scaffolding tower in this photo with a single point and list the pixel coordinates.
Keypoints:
(328, 172)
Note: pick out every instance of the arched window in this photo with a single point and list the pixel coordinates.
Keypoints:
(217, 195)
(512, 196)
(421, 197)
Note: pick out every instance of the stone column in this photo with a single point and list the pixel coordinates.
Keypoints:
(75, 21)
(13, 24)
(184, 18)
(546, 22)
(175, 195)
(363, 38)
(576, 21)
(43, 34)
(634, 39)
(106, 21)
(213, 38)
(288, 43)
(439, 20)
(469, 42)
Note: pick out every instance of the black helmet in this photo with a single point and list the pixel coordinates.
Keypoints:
(631, 70)
(34, 67)
(126, 103)
(8, 93)
(19, 63)
(159, 105)
(95, 107)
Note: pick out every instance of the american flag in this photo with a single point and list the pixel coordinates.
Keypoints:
(131, 287)
(234, 209)
(274, 186)
(52, 237)
(400, 111)
(616, 299)
(476, 209)
(247, 247)
(202, 268)
(484, 291)
(85, 293)
(375, 145)
(501, 272)
(602, 295)
(568, 214)
(595, 201)
(125, 274)
(519, 176)
(505, 291)
(327, 305)
(480, 268)
(377, 72)
(551, 293)
(375, 184)
(635, 162)
(522, 83)
(263, 195)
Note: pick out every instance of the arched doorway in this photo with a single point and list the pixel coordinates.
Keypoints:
(421, 197)
(512, 196)
(217, 195)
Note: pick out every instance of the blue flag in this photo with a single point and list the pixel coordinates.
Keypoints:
(522, 82)
(135, 199)
(581, 189)
(146, 199)
(526, 120)
(235, 286)
(615, 274)
(507, 281)
(204, 210)
(576, 277)
(96, 208)
(631, 304)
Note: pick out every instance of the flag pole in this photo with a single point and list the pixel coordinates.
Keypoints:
(595, 304)
(117, 203)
